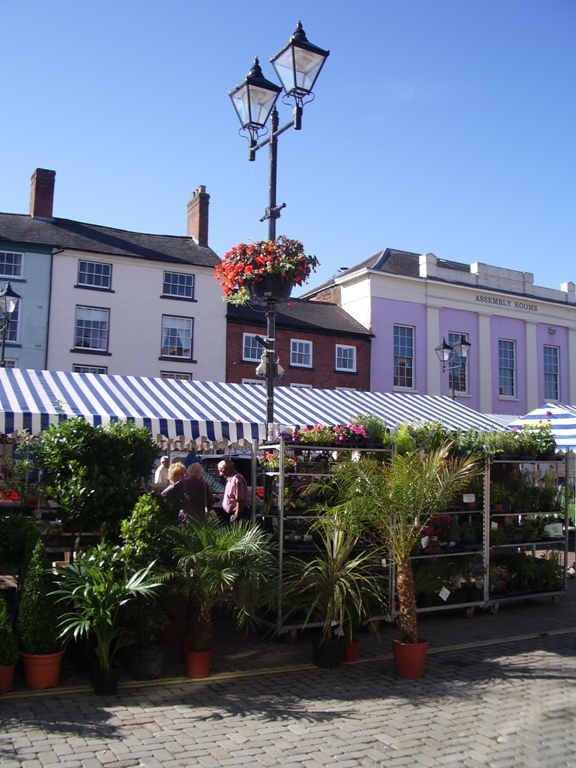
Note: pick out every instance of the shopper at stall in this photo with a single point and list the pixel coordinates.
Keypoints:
(191, 493)
(161, 475)
(236, 495)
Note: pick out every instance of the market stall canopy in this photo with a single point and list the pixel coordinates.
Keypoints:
(562, 420)
(203, 411)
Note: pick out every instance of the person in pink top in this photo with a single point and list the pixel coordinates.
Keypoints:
(236, 495)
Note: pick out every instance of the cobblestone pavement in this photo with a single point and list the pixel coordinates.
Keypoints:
(499, 691)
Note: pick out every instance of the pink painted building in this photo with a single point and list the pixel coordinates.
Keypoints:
(522, 337)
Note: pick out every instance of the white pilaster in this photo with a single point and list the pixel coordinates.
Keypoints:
(432, 341)
(571, 398)
(485, 364)
(531, 367)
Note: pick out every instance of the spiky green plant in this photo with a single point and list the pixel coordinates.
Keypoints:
(395, 502)
(335, 583)
(230, 565)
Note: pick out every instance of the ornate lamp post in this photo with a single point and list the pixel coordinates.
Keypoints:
(452, 357)
(297, 65)
(8, 302)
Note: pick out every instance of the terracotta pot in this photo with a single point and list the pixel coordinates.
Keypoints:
(6, 677)
(168, 634)
(409, 658)
(271, 287)
(351, 650)
(198, 663)
(105, 681)
(42, 670)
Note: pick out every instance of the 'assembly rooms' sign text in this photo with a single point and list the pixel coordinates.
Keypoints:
(512, 303)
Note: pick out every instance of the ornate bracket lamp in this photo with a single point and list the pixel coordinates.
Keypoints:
(452, 356)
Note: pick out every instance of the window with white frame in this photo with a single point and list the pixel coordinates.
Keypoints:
(458, 370)
(11, 264)
(13, 329)
(10, 363)
(295, 385)
(251, 348)
(345, 358)
(301, 353)
(177, 336)
(100, 369)
(345, 389)
(404, 356)
(175, 375)
(551, 373)
(507, 367)
(92, 326)
(92, 274)
(179, 285)
(254, 382)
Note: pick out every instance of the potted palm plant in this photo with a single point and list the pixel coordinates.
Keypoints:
(231, 565)
(37, 624)
(95, 591)
(395, 502)
(9, 653)
(336, 584)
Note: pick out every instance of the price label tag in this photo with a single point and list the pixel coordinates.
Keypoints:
(444, 594)
(468, 498)
(383, 561)
(493, 525)
(424, 541)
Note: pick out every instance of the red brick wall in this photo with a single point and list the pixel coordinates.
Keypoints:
(322, 375)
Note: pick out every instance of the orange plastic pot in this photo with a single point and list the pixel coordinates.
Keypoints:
(42, 670)
(6, 677)
(198, 663)
(351, 650)
(409, 658)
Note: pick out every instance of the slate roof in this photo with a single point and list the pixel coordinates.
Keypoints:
(389, 260)
(311, 316)
(21, 229)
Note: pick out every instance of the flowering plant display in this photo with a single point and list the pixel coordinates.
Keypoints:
(271, 460)
(439, 527)
(249, 263)
(336, 435)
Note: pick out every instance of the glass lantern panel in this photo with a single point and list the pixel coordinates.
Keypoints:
(307, 67)
(253, 104)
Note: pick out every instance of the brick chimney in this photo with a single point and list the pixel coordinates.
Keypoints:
(198, 216)
(42, 193)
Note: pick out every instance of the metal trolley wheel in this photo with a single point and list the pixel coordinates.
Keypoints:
(556, 600)
(291, 636)
(495, 608)
(469, 612)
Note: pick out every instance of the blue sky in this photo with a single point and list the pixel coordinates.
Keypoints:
(438, 125)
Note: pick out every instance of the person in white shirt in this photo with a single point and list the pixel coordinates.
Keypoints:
(161, 475)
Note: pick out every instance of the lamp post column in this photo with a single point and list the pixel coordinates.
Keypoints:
(270, 366)
(5, 321)
(272, 211)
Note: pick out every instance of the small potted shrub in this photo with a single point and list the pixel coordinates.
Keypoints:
(9, 653)
(37, 624)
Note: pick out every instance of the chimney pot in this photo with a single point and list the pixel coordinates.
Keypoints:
(42, 193)
(198, 215)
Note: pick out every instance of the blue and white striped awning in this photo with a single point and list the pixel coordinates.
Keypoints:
(223, 414)
(562, 420)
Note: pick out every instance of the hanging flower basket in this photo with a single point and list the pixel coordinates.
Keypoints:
(267, 269)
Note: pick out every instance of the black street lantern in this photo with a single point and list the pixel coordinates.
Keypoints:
(253, 100)
(444, 352)
(8, 302)
(298, 65)
(453, 358)
(461, 348)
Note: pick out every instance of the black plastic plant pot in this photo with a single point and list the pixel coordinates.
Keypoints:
(105, 681)
(271, 287)
(328, 653)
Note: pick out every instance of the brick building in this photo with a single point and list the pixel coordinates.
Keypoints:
(318, 345)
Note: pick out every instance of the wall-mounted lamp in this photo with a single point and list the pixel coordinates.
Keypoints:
(552, 330)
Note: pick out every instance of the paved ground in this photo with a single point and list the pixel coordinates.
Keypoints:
(499, 691)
